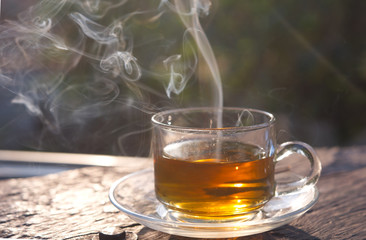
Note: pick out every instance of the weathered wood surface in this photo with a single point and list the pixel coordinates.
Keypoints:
(75, 204)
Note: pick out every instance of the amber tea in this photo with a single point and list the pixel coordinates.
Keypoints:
(217, 164)
(213, 178)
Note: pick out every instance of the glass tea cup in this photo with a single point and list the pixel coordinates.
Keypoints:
(219, 163)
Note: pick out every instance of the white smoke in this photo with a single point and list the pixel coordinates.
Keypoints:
(84, 67)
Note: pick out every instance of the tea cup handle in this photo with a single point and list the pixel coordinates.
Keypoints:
(288, 182)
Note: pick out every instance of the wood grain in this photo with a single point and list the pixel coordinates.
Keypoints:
(75, 205)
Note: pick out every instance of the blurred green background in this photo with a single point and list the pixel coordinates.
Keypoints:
(304, 61)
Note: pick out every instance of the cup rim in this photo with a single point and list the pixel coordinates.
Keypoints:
(266, 124)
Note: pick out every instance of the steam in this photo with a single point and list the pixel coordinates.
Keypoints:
(73, 63)
(189, 13)
(245, 118)
(180, 68)
(177, 80)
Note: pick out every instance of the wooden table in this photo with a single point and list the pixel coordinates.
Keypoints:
(75, 205)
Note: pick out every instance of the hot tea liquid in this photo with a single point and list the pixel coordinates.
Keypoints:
(203, 179)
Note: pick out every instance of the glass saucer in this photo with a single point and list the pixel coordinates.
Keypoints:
(134, 195)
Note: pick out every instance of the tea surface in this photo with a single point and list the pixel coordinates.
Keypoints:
(213, 179)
